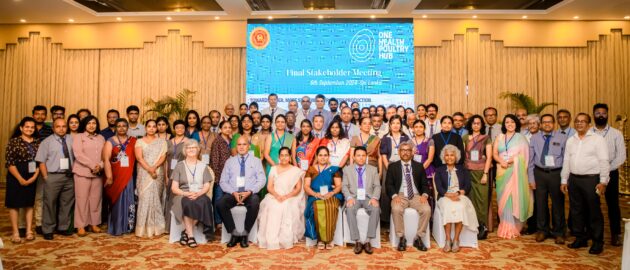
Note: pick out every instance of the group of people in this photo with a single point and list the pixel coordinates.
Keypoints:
(294, 170)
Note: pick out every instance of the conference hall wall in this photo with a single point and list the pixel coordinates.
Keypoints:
(103, 66)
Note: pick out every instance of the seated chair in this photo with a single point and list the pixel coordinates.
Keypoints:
(362, 220)
(238, 213)
(338, 237)
(410, 218)
(467, 238)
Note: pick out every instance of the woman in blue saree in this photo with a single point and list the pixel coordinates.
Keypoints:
(322, 183)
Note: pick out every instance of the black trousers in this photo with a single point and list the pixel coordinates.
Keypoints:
(585, 208)
(227, 202)
(612, 200)
(548, 186)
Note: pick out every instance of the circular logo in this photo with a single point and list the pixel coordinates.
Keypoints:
(362, 46)
(259, 38)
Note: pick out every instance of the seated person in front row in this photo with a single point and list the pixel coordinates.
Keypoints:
(192, 204)
(407, 186)
(241, 180)
(453, 184)
(362, 189)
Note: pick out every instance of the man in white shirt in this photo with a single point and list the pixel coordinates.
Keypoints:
(349, 128)
(584, 176)
(303, 112)
(521, 114)
(318, 127)
(273, 110)
(432, 123)
(378, 128)
(229, 111)
(493, 129)
(564, 122)
(617, 156)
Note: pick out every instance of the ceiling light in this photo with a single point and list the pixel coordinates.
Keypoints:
(320, 17)
(71, 20)
(524, 17)
(22, 20)
(118, 18)
(576, 17)
(217, 17)
(627, 17)
(474, 16)
(424, 16)
(270, 17)
(169, 18)
(372, 16)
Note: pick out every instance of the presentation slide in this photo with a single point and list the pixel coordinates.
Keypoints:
(370, 62)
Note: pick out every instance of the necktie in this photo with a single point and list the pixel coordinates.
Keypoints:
(376, 132)
(545, 149)
(490, 132)
(563, 132)
(320, 112)
(242, 174)
(359, 169)
(346, 129)
(273, 111)
(66, 152)
(431, 134)
(408, 181)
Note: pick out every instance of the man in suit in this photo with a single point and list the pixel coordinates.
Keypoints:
(406, 184)
(362, 189)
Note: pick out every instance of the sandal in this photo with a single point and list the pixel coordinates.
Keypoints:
(183, 240)
(30, 236)
(192, 243)
(329, 246)
(16, 239)
(321, 246)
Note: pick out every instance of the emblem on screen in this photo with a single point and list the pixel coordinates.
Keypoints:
(259, 38)
(362, 45)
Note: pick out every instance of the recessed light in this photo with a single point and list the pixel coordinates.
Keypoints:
(22, 20)
(320, 17)
(627, 17)
(524, 17)
(270, 17)
(71, 20)
(169, 18)
(372, 16)
(424, 16)
(118, 18)
(217, 17)
(576, 17)
(474, 16)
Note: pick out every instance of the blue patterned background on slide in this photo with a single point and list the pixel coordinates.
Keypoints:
(368, 62)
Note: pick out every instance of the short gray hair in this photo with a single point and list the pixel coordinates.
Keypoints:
(453, 149)
(190, 143)
(533, 118)
(406, 143)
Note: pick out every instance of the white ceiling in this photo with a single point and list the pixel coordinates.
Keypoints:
(59, 11)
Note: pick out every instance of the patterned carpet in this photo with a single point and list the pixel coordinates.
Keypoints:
(101, 251)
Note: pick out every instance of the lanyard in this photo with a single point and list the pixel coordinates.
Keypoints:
(396, 143)
(123, 146)
(507, 142)
(361, 137)
(205, 140)
(606, 129)
(447, 138)
(475, 141)
(191, 172)
(177, 143)
(321, 170)
(281, 140)
(334, 145)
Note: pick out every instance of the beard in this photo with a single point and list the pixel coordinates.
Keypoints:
(601, 121)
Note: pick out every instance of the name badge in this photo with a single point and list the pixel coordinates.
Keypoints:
(304, 164)
(240, 182)
(64, 164)
(550, 161)
(361, 194)
(394, 157)
(474, 155)
(335, 160)
(31, 167)
(205, 158)
(124, 161)
(323, 190)
(417, 158)
(173, 163)
(505, 156)
(195, 187)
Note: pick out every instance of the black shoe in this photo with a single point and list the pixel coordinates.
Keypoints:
(419, 245)
(368, 247)
(402, 244)
(38, 230)
(22, 232)
(64, 233)
(578, 244)
(244, 242)
(615, 240)
(483, 232)
(596, 248)
(358, 248)
(233, 240)
(48, 236)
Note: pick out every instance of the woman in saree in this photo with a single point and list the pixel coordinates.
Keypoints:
(278, 139)
(306, 144)
(150, 154)
(119, 161)
(322, 184)
(514, 197)
(371, 142)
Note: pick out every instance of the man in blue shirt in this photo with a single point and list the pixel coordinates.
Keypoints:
(241, 180)
(546, 154)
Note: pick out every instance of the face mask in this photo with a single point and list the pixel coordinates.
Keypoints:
(601, 121)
